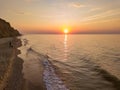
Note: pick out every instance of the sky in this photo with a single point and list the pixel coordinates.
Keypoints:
(52, 16)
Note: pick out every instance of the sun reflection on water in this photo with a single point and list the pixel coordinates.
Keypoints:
(65, 47)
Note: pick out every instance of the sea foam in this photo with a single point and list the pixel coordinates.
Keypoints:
(52, 81)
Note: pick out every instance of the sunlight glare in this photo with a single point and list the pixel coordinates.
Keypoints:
(66, 31)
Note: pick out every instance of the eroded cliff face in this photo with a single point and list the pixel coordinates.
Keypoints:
(6, 30)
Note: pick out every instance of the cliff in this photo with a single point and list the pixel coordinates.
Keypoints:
(6, 30)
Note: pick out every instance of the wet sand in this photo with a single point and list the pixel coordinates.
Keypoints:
(11, 74)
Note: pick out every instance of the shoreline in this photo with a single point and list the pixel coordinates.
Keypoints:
(13, 76)
(14, 66)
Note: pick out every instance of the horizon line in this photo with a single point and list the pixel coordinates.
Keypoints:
(69, 33)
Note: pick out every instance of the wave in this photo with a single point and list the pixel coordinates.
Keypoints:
(107, 76)
(53, 82)
(50, 78)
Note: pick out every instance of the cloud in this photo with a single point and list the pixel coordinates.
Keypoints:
(77, 5)
(95, 9)
(20, 12)
(30, 0)
(103, 15)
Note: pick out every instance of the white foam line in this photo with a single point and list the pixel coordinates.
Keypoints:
(52, 81)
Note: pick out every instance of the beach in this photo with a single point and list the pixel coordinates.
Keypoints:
(39, 73)
(11, 65)
(11, 75)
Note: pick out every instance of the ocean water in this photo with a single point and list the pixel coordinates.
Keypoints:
(72, 62)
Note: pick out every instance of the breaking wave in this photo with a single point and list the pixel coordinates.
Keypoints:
(52, 81)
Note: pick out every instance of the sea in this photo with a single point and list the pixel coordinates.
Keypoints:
(72, 61)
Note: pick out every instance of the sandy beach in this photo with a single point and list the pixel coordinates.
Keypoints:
(11, 75)
(11, 65)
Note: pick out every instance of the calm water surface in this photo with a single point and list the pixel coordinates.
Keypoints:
(82, 62)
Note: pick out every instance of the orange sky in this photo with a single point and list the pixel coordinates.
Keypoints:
(52, 16)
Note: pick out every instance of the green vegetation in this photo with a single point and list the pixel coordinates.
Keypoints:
(6, 30)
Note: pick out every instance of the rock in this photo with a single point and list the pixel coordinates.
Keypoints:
(6, 30)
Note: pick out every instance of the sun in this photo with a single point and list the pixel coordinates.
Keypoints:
(66, 31)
